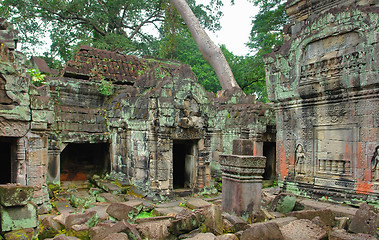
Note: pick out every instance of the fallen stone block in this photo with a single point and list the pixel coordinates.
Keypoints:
(82, 199)
(283, 203)
(109, 197)
(303, 229)
(14, 218)
(262, 231)
(13, 195)
(117, 236)
(155, 229)
(213, 219)
(108, 186)
(196, 203)
(341, 234)
(122, 226)
(366, 220)
(326, 215)
(203, 236)
(283, 221)
(122, 211)
(48, 228)
(89, 218)
(101, 210)
(80, 231)
(185, 222)
(171, 211)
(63, 237)
(63, 207)
(227, 236)
(21, 234)
(237, 222)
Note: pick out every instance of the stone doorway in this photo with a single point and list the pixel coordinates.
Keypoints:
(269, 151)
(8, 148)
(79, 161)
(184, 163)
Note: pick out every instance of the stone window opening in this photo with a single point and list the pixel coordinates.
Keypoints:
(8, 157)
(184, 163)
(80, 161)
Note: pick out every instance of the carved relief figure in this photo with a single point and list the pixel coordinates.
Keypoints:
(375, 165)
(299, 160)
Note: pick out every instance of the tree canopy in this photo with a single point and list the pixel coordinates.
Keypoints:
(149, 27)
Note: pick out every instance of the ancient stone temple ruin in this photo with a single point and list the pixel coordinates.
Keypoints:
(106, 112)
(324, 81)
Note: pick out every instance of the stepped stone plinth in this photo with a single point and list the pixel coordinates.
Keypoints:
(242, 179)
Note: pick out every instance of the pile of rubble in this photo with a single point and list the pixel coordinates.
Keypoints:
(83, 210)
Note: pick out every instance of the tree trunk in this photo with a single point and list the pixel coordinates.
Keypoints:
(211, 52)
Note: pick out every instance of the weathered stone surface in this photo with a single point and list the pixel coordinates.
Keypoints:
(81, 199)
(283, 203)
(203, 236)
(242, 183)
(185, 221)
(326, 215)
(227, 236)
(88, 217)
(14, 195)
(117, 236)
(341, 234)
(122, 211)
(64, 207)
(122, 226)
(169, 211)
(48, 227)
(155, 229)
(13, 218)
(283, 221)
(243, 147)
(366, 220)
(238, 223)
(101, 210)
(303, 229)
(63, 237)
(109, 197)
(195, 203)
(213, 219)
(21, 234)
(262, 231)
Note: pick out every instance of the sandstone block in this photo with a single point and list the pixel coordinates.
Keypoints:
(303, 229)
(366, 220)
(122, 211)
(262, 231)
(195, 203)
(13, 195)
(122, 226)
(155, 229)
(21, 234)
(14, 218)
(88, 217)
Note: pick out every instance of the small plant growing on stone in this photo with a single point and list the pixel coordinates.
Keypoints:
(37, 78)
(106, 88)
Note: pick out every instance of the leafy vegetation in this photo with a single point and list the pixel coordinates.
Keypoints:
(106, 87)
(37, 78)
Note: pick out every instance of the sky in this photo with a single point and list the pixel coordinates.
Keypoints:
(236, 26)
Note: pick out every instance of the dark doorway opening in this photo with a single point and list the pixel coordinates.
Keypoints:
(8, 159)
(184, 152)
(269, 151)
(79, 161)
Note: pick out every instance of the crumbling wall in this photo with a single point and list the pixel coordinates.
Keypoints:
(324, 82)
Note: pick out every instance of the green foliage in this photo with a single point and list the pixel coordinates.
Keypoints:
(37, 78)
(106, 88)
(125, 26)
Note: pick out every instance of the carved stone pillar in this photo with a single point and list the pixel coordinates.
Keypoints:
(242, 179)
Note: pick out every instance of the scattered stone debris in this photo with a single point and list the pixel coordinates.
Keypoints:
(193, 217)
